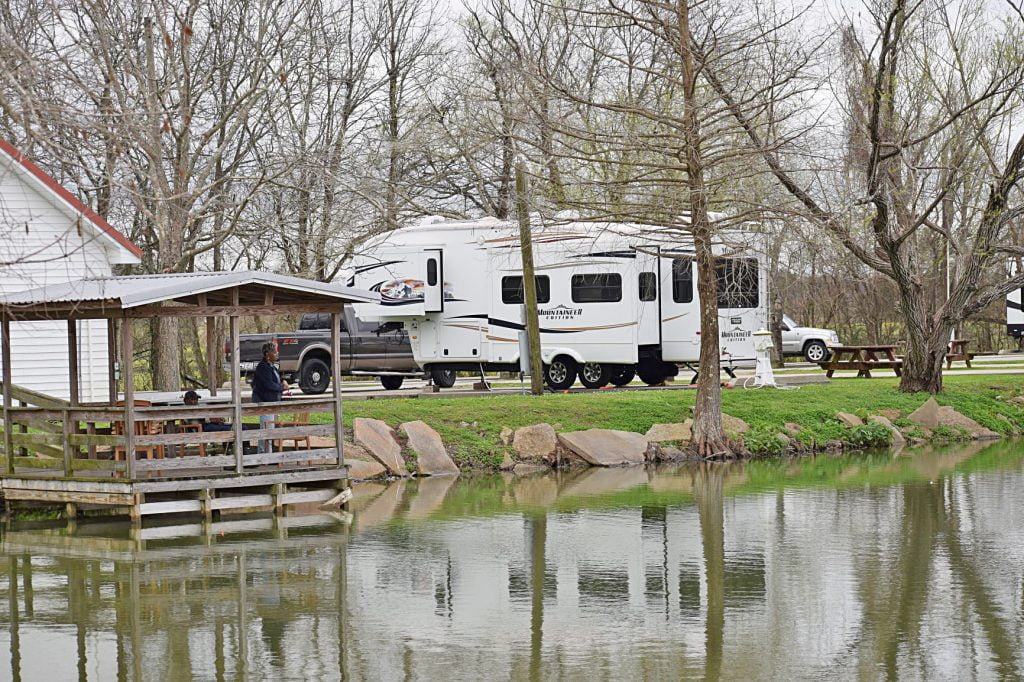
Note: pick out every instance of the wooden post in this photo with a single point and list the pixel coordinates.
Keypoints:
(529, 282)
(128, 374)
(212, 354)
(112, 360)
(69, 427)
(236, 383)
(5, 338)
(68, 452)
(339, 425)
(73, 361)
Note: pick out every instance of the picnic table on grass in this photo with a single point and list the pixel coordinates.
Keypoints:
(863, 359)
(958, 352)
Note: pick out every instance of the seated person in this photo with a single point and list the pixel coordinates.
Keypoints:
(191, 398)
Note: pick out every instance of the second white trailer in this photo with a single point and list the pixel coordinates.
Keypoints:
(612, 302)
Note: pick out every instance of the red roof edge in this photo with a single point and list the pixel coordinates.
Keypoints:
(67, 196)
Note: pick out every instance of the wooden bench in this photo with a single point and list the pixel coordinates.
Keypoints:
(863, 359)
(957, 352)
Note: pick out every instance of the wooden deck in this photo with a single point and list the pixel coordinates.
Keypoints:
(75, 456)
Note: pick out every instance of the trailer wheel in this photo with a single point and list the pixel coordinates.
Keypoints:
(391, 382)
(445, 378)
(561, 373)
(314, 376)
(623, 374)
(595, 375)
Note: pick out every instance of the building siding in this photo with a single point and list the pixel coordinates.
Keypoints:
(42, 245)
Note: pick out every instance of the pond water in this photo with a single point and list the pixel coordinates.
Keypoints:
(852, 567)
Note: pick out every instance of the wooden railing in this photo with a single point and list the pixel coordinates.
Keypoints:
(74, 441)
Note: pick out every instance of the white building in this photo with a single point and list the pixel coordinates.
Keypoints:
(47, 236)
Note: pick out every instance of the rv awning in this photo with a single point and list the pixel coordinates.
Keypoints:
(180, 295)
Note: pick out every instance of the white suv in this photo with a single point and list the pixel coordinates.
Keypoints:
(810, 342)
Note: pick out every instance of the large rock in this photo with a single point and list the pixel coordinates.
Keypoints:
(660, 433)
(364, 470)
(535, 442)
(605, 447)
(847, 419)
(932, 415)
(431, 456)
(898, 440)
(951, 418)
(733, 426)
(361, 466)
(379, 440)
(927, 415)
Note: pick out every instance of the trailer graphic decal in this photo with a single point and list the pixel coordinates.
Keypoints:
(406, 291)
(518, 326)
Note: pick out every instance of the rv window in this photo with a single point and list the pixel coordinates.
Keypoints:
(648, 286)
(682, 281)
(512, 289)
(597, 288)
(432, 272)
(737, 283)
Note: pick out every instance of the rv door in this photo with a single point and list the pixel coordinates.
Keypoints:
(433, 282)
(410, 283)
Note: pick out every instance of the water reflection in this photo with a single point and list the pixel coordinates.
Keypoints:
(860, 567)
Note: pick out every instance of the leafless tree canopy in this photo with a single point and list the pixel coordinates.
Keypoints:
(878, 147)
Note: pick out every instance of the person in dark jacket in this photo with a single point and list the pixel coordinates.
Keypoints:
(267, 387)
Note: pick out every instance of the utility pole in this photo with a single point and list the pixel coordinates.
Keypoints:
(529, 282)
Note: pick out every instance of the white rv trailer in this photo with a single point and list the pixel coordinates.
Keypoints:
(1015, 305)
(612, 302)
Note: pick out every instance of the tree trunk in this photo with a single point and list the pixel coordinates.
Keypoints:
(926, 343)
(922, 365)
(708, 435)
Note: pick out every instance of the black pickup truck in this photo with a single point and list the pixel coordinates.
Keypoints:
(367, 348)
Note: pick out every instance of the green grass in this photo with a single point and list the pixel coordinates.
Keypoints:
(470, 427)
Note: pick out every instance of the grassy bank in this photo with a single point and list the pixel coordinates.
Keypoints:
(471, 427)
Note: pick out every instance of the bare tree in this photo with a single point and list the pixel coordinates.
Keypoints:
(929, 166)
(644, 137)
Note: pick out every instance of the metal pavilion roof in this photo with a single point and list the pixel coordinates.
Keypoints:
(137, 290)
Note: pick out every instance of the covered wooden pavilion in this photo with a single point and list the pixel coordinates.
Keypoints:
(52, 448)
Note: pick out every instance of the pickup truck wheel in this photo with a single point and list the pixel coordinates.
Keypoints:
(622, 375)
(392, 383)
(314, 376)
(444, 378)
(561, 373)
(815, 351)
(595, 375)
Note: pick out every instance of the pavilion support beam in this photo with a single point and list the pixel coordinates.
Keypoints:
(5, 357)
(339, 427)
(236, 384)
(70, 451)
(128, 374)
(112, 361)
(211, 355)
(73, 362)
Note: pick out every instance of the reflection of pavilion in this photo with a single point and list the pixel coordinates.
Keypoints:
(202, 600)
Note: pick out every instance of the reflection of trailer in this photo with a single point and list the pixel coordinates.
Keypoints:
(1015, 306)
(612, 302)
